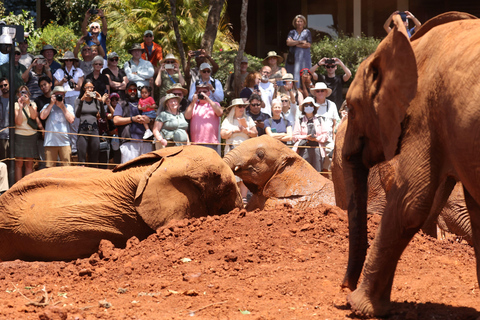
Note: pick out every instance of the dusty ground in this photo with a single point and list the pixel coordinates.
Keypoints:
(276, 264)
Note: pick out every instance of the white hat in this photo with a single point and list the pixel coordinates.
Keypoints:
(204, 66)
(58, 89)
(321, 86)
(308, 100)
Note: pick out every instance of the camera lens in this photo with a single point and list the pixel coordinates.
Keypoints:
(59, 97)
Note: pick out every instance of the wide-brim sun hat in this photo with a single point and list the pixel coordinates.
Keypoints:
(272, 54)
(236, 102)
(68, 55)
(307, 100)
(48, 47)
(169, 56)
(321, 86)
(171, 96)
(288, 77)
(38, 56)
(177, 86)
(136, 46)
(57, 89)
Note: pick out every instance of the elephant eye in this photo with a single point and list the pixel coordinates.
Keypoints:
(260, 153)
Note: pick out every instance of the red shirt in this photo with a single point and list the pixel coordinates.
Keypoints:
(156, 55)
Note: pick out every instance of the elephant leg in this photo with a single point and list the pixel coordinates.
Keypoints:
(441, 197)
(403, 217)
(474, 210)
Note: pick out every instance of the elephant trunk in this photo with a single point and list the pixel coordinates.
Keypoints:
(356, 179)
(233, 159)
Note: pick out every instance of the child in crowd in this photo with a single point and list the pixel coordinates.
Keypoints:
(147, 105)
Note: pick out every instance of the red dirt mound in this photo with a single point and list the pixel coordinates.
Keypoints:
(282, 263)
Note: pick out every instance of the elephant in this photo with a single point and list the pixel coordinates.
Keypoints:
(62, 213)
(275, 174)
(453, 217)
(413, 100)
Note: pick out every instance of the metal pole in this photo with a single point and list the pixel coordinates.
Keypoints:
(11, 118)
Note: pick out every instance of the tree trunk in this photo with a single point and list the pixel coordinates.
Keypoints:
(241, 48)
(212, 25)
(173, 7)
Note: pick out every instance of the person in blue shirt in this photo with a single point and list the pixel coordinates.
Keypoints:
(94, 30)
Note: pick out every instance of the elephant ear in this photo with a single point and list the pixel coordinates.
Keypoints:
(150, 157)
(393, 70)
(293, 177)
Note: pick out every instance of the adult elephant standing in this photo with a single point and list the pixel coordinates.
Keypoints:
(408, 101)
(299, 40)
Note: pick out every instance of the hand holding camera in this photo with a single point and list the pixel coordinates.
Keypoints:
(201, 96)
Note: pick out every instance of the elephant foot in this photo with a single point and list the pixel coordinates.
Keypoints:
(362, 305)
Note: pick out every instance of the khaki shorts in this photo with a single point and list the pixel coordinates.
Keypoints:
(53, 153)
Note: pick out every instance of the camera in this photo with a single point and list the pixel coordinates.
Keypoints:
(201, 96)
(403, 15)
(58, 97)
(87, 38)
(92, 94)
(305, 72)
(93, 10)
(71, 84)
(169, 66)
(330, 61)
(197, 53)
(280, 83)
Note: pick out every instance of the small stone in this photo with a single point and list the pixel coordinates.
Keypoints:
(85, 272)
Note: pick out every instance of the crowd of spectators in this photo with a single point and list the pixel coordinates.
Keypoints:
(151, 102)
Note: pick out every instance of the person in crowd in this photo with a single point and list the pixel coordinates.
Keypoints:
(299, 40)
(49, 52)
(25, 133)
(288, 87)
(117, 78)
(171, 125)
(214, 85)
(152, 51)
(147, 106)
(99, 80)
(237, 127)
(254, 111)
(333, 81)
(3, 178)
(343, 111)
(45, 84)
(88, 107)
(19, 70)
(4, 118)
(88, 53)
(193, 74)
(182, 93)
(37, 69)
(107, 128)
(306, 83)
(138, 70)
(205, 117)
(26, 58)
(58, 114)
(69, 77)
(129, 123)
(267, 90)
(289, 110)
(311, 134)
(277, 126)
(250, 85)
(405, 15)
(168, 75)
(229, 88)
(273, 60)
(94, 30)
(329, 113)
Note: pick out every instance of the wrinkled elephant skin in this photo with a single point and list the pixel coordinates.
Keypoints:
(62, 213)
(275, 174)
(411, 101)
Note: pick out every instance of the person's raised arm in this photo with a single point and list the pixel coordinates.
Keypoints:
(414, 19)
(386, 25)
(347, 71)
(189, 111)
(101, 14)
(85, 22)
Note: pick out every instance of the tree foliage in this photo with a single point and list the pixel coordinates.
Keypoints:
(70, 12)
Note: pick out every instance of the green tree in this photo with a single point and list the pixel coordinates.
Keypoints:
(70, 12)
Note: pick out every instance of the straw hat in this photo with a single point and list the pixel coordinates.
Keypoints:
(288, 77)
(58, 89)
(178, 86)
(307, 100)
(68, 55)
(236, 102)
(321, 86)
(171, 96)
(169, 57)
(272, 54)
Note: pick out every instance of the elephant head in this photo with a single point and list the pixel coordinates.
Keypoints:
(194, 183)
(272, 170)
(378, 98)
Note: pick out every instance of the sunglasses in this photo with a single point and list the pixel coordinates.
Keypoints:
(148, 35)
(17, 53)
(242, 107)
(206, 71)
(329, 67)
(87, 49)
(4, 85)
(132, 90)
(308, 105)
(322, 91)
(284, 100)
(94, 27)
(170, 62)
(98, 64)
(256, 104)
(69, 60)
(23, 92)
(113, 59)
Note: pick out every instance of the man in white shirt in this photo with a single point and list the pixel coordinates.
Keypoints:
(138, 70)
(266, 90)
(327, 110)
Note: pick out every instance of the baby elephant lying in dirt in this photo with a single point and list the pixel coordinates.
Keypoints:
(275, 174)
(62, 213)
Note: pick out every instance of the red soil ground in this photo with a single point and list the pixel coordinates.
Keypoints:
(276, 264)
